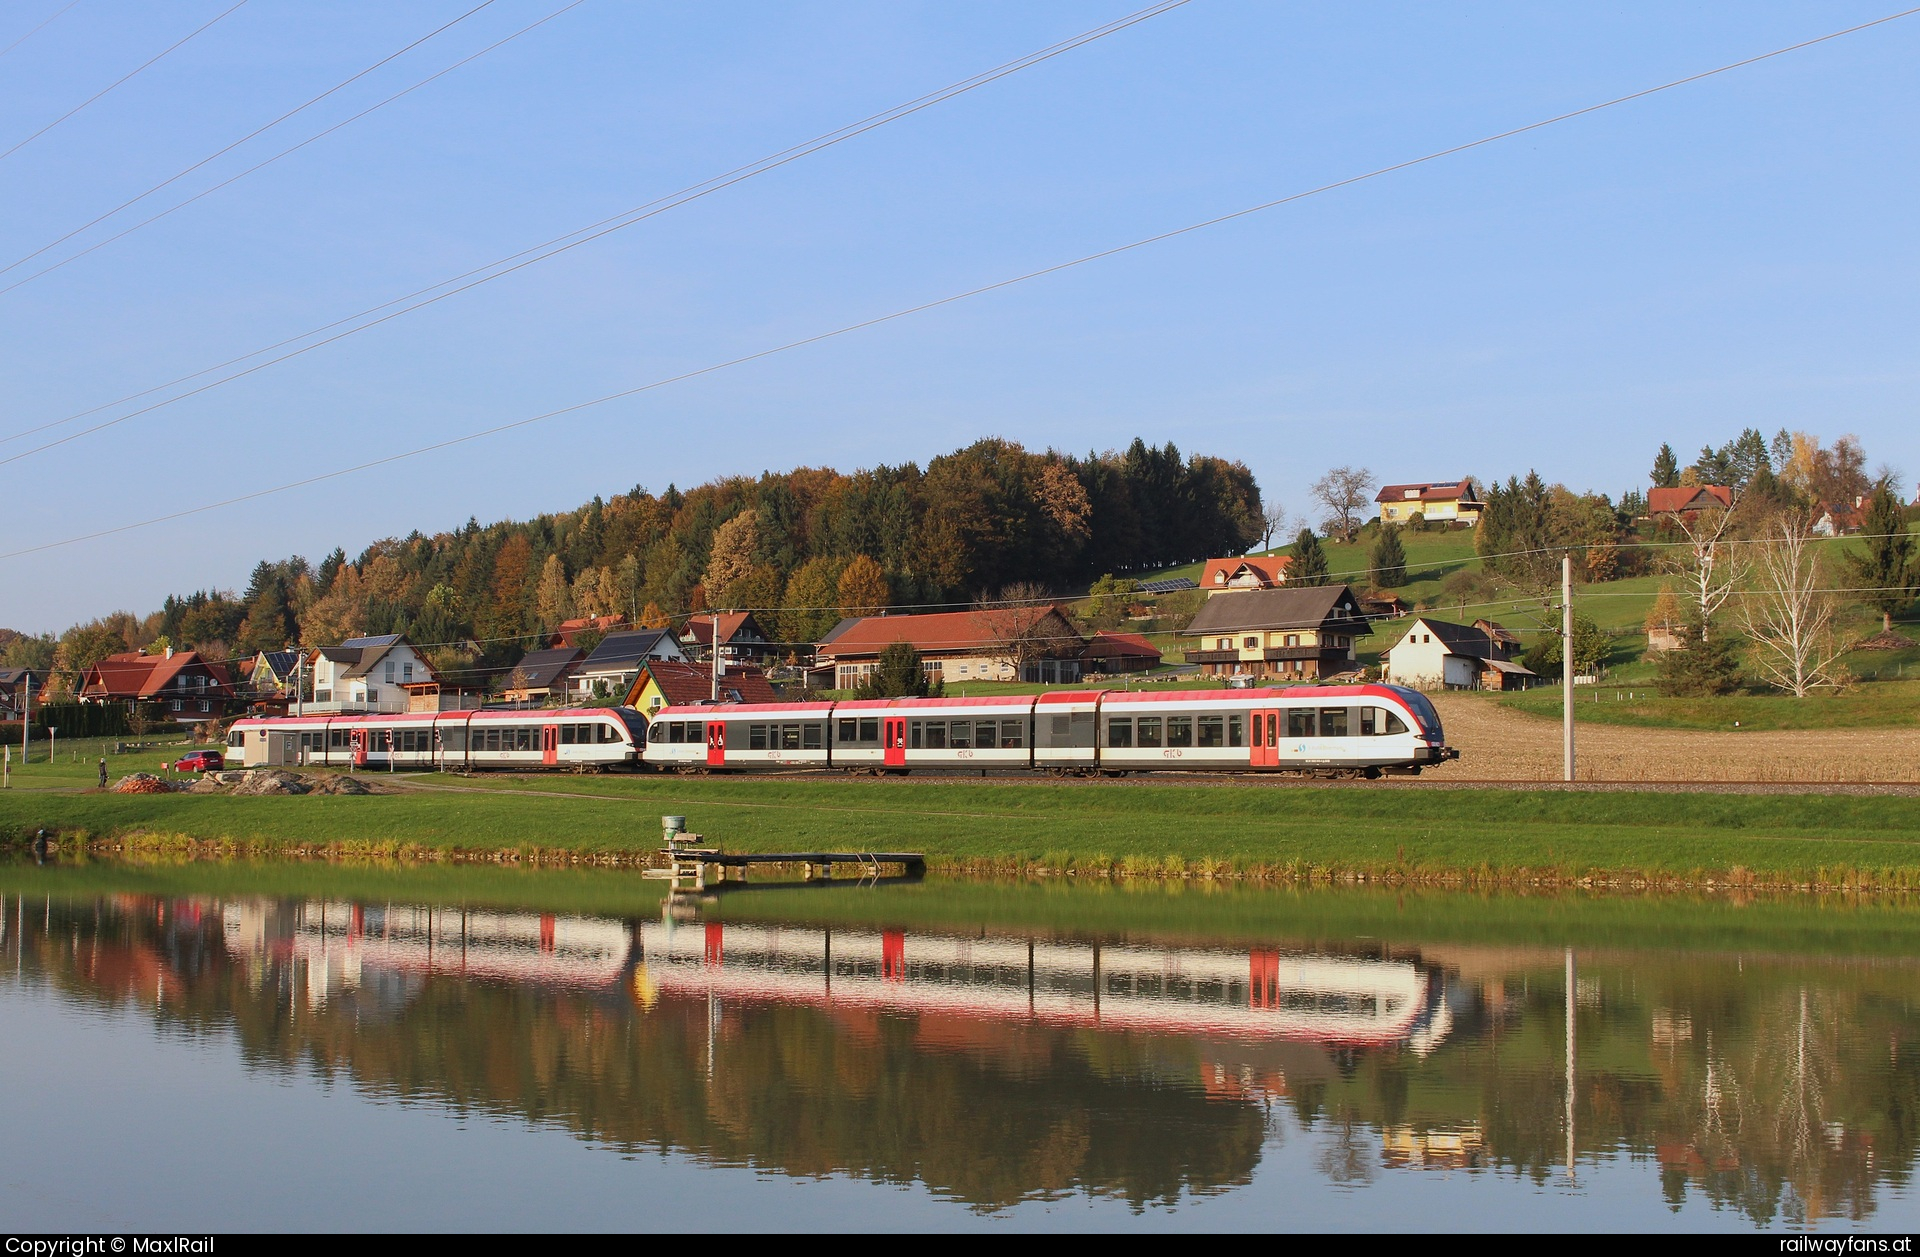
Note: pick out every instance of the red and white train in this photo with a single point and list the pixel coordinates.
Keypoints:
(1346, 730)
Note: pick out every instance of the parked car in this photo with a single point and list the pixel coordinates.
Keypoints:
(200, 762)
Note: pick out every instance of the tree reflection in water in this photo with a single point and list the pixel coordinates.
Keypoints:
(997, 1070)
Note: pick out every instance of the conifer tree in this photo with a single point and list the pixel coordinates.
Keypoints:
(1309, 566)
(1389, 558)
(1666, 469)
(1887, 570)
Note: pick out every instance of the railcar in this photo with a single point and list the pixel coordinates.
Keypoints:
(1346, 730)
(582, 739)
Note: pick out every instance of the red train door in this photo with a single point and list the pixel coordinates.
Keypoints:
(893, 738)
(358, 741)
(549, 744)
(1265, 740)
(716, 744)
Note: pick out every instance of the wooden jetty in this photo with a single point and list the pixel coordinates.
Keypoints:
(692, 867)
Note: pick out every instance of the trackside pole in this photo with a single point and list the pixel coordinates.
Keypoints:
(1566, 662)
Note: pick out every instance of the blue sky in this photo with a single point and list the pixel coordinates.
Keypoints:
(1736, 252)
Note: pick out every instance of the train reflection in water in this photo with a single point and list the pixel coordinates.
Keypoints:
(1331, 1000)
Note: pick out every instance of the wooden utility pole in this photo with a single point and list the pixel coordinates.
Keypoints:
(1566, 661)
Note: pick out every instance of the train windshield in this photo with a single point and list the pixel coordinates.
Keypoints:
(635, 722)
(1423, 708)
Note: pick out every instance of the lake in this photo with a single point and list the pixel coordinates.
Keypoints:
(231, 1046)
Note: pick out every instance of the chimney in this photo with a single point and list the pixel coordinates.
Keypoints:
(169, 652)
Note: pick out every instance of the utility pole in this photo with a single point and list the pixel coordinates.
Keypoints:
(1566, 661)
(26, 718)
(716, 657)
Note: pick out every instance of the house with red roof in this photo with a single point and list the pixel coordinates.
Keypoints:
(1688, 500)
(569, 630)
(739, 634)
(188, 688)
(1436, 502)
(996, 644)
(1266, 571)
(667, 683)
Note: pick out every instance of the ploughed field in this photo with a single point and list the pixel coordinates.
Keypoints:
(1498, 743)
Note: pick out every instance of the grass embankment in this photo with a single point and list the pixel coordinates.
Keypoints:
(1101, 829)
(1885, 705)
(1192, 913)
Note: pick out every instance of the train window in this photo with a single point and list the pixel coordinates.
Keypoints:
(1236, 729)
(1012, 735)
(936, 735)
(610, 733)
(789, 737)
(756, 737)
(1150, 731)
(849, 731)
(1062, 730)
(567, 735)
(869, 730)
(914, 728)
(1395, 724)
(1369, 721)
(812, 737)
(1212, 731)
(1120, 731)
(1333, 722)
(662, 730)
(960, 735)
(985, 734)
(1300, 722)
(1179, 730)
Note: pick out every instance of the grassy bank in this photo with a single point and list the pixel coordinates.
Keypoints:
(1887, 704)
(1468, 836)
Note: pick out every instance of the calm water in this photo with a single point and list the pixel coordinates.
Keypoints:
(205, 1048)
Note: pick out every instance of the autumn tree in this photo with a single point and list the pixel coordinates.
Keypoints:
(1711, 562)
(811, 602)
(1108, 600)
(731, 557)
(553, 596)
(1665, 615)
(1346, 493)
(652, 617)
(863, 588)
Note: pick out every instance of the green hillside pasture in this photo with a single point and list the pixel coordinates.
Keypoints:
(1101, 828)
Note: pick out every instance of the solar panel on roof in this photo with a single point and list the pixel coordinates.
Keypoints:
(1175, 585)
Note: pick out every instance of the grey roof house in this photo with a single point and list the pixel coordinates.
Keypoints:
(1295, 632)
(616, 661)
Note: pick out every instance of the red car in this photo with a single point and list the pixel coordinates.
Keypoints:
(199, 762)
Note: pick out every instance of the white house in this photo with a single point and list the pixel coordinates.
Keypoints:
(374, 674)
(1437, 655)
(614, 664)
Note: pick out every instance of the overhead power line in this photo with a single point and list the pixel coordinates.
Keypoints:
(173, 179)
(36, 30)
(287, 152)
(116, 83)
(938, 303)
(502, 267)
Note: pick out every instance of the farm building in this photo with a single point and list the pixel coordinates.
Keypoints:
(1436, 502)
(1688, 501)
(1297, 633)
(1120, 652)
(1435, 654)
(1011, 644)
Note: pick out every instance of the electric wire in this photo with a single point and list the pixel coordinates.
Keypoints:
(846, 329)
(116, 83)
(36, 30)
(573, 239)
(172, 179)
(287, 152)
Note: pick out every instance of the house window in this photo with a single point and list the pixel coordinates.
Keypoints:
(389, 672)
(1250, 642)
(406, 672)
(1293, 639)
(1224, 643)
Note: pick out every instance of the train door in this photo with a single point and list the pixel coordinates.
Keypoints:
(1265, 740)
(893, 737)
(358, 739)
(549, 745)
(716, 744)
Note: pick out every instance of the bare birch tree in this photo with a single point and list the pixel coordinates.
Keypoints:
(1710, 561)
(1788, 613)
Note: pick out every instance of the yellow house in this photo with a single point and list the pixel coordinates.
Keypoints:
(1446, 503)
(665, 683)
